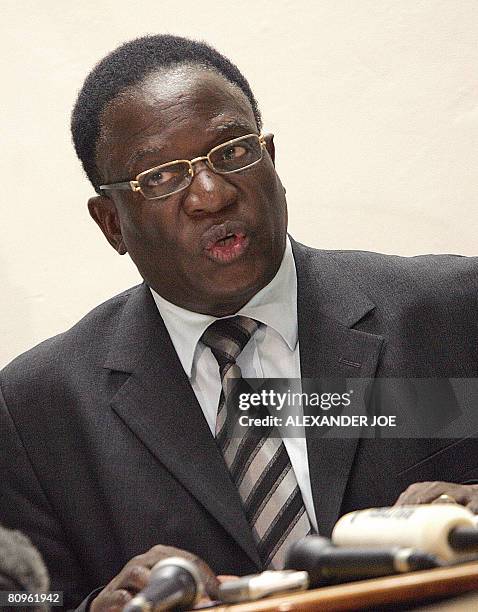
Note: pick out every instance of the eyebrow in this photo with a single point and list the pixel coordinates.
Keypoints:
(137, 155)
(226, 126)
(234, 124)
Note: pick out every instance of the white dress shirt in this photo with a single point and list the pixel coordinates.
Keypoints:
(272, 352)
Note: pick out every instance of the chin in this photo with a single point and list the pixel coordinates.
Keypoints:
(235, 290)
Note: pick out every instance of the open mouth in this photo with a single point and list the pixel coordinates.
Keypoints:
(229, 248)
(225, 242)
(229, 239)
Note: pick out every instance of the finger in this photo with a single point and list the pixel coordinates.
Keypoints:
(225, 578)
(114, 601)
(416, 493)
(119, 599)
(473, 506)
(461, 494)
(426, 492)
(160, 552)
(133, 578)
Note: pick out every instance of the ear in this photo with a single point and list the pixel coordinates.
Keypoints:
(269, 138)
(104, 212)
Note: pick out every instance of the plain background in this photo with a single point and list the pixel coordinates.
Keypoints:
(374, 104)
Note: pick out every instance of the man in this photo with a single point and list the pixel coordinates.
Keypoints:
(110, 437)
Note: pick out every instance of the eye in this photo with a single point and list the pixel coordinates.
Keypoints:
(233, 152)
(160, 177)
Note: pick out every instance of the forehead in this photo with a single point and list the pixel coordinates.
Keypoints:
(172, 110)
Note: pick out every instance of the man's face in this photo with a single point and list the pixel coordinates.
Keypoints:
(182, 113)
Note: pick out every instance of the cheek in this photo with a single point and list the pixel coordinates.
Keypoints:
(155, 244)
(273, 196)
(144, 223)
(275, 211)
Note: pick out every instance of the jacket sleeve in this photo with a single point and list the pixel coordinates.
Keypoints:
(86, 603)
(25, 506)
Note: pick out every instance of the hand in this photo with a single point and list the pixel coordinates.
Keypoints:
(136, 574)
(427, 492)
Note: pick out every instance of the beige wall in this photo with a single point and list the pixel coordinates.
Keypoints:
(374, 104)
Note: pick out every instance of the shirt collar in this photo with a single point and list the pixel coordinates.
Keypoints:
(274, 305)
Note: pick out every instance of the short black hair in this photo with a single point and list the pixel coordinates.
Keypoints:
(130, 64)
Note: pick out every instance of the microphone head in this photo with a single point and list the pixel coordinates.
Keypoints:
(21, 565)
(199, 569)
(329, 564)
(303, 553)
(21, 568)
(176, 582)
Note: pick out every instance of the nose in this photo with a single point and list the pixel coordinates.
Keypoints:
(208, 192)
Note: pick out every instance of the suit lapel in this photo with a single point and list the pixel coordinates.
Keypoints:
(159, 406)
(329, 304)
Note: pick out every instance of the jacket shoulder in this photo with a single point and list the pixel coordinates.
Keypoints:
(438, 277)
(86, 342)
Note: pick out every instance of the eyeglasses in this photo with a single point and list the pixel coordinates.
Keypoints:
(164, 180)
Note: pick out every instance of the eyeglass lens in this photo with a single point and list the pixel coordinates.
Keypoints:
(230, 157)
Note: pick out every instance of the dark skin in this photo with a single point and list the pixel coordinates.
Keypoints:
(184, 113)
(427, 492)
(181, 113)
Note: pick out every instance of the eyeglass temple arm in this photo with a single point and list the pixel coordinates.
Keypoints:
(126, 186)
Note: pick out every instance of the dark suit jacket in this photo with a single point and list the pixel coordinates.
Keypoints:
(105, 451)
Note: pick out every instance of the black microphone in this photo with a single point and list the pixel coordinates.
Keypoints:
(175, 582)
(464, 539)
(328, 564)
(21, 567)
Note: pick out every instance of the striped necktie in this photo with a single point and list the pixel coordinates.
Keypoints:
(257, 458)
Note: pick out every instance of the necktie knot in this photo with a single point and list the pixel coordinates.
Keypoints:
(227, 337)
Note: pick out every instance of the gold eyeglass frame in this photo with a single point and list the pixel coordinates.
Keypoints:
(133, 185)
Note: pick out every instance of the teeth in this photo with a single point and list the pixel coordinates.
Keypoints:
(227, 240)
